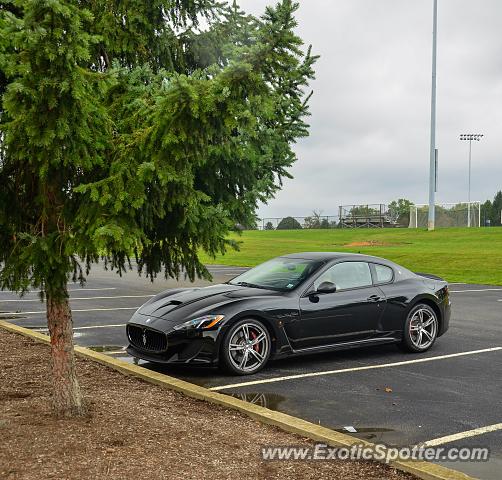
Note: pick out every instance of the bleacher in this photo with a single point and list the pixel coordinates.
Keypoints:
(367, 216)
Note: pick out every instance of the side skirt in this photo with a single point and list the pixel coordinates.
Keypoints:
(340, 346)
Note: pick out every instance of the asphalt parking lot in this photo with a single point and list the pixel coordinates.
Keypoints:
(449, 396)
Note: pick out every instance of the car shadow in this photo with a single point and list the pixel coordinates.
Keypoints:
(213, 376)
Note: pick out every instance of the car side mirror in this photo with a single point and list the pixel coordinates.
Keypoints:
(326, 287)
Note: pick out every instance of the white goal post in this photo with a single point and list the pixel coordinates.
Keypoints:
(460, 214)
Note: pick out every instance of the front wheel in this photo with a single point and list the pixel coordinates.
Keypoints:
(246, 347)
(420, 329)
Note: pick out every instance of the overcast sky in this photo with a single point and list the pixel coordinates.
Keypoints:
(370, 124)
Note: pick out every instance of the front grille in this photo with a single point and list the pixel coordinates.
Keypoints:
(146, 339)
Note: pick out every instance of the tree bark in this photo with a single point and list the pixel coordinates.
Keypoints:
(67, 399)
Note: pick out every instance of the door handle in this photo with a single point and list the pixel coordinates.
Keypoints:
(374, 298)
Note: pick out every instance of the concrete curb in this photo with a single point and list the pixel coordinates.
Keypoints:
(424, 470)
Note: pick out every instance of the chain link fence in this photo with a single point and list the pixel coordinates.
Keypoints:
(349, 216)
(379, 216)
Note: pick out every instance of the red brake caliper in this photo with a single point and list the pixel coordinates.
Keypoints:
(256, 347)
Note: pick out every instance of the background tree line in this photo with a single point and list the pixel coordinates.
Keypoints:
(397, 210)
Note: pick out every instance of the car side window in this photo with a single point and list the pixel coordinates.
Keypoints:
(383, 273)
(347, 275)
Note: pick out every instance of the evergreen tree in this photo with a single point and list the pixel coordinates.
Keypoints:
(493, 210)
(56, 135)
(496, 210)
(486, 210)
(134, 133)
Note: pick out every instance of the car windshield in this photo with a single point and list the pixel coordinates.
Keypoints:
(282, 274)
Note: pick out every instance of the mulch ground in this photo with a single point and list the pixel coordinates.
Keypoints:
(137, 430)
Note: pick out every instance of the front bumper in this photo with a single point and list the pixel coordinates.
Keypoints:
(192, 347)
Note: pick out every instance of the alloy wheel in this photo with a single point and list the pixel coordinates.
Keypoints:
(249, 346)
(423, 328)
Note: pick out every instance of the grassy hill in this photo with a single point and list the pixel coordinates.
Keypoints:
(457, 254)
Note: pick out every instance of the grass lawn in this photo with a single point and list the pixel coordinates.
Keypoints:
(458, 254)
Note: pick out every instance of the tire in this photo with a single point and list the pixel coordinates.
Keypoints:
(421, 329)
(246, 347)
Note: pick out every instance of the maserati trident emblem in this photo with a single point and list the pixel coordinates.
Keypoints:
(144, 338)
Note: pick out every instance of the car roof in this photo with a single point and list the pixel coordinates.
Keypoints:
(329, 256)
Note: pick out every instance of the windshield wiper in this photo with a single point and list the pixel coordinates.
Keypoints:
(251, 285)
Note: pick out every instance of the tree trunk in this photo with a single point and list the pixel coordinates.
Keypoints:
(67, 399)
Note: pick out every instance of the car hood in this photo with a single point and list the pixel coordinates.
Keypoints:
(180, 305)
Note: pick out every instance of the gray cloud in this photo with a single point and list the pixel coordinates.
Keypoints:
(369, 137)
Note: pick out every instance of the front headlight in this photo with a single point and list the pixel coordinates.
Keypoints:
(205, 322)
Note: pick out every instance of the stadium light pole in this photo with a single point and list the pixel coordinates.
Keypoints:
(432, 168)
(470, 137)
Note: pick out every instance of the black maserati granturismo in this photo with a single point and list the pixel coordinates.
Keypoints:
(292, 305)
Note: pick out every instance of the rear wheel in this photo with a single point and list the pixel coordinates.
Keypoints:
(246, 347)
(421, 328)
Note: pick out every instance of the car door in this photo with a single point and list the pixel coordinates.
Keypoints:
(350, 313)
(397, 294)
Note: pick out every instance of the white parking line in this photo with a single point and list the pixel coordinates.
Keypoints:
(462, 435)
(477, 290)
(73, 310)
(355, 369)
(70, 290)
(82, 298)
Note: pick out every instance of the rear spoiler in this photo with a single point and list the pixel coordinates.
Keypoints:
(432, 277)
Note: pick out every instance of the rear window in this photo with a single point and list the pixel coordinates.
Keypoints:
(383, 274)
